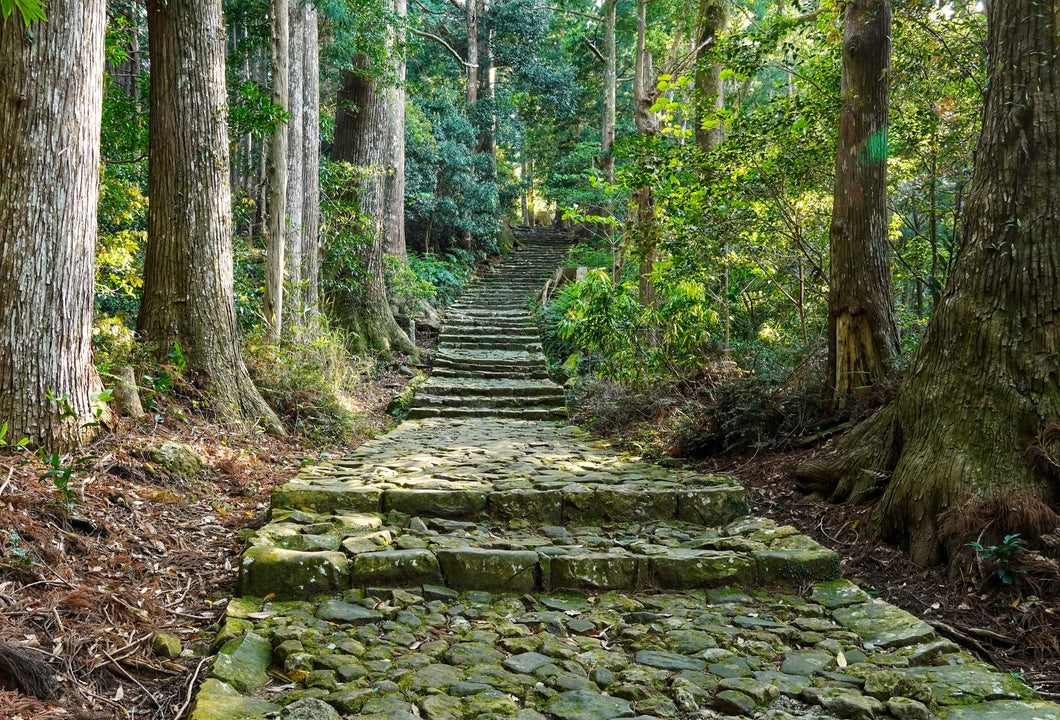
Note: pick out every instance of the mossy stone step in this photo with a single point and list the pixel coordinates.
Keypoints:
(463, 411)
(492, 388)
(479, 556)
(464, 372)
(427, 400)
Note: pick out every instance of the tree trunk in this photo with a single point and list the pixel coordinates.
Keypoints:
(394, 97)
(710, 94)
(361, 124)
(311, 175)
(981, 398)
(645, 224)
(277, 176)
(296, 209)
(607, 126)
(471, 66)
(50, 110)
(188, 293)
(862, 335)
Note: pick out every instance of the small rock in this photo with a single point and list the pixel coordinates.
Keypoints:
(165, 645)
(735, 702)
(906, 709)
(309, 709)
(585, 705)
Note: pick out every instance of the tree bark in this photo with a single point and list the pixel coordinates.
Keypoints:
(645, 224)
(710, 91)
(277, 175)
(607, 125)
(862, 335)
(361, 124)
(311, 175)
(50, 112)
(296, 208)
(188, 296)
(981, 397)
(394, 97)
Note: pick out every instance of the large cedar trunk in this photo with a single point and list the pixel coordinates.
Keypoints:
(394, 198)
(310, 286)
(362, 123)
(981, 397)
(188, 293)
(607, 128)
(50, 109)
(645, 226)
(275, 237)
(293, 307)
(710, 95)
(862, 335)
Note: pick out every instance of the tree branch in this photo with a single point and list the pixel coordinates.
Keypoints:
(587, 16)
(596, 52)
(444, 44)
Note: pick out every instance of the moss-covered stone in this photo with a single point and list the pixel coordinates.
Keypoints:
(396, 568)
(597, 571)
(882, 625)
(837, 594)
(290, 574)
(242, 663)
(796, 559)
(541, 507)
(447, 503)
(216, 700)
(689, 569)
(327, 497)
(493, 570)
(177, 459)
(711, 506)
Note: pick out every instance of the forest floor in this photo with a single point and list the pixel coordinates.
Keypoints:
(86, 581)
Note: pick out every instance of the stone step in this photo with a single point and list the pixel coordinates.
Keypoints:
(462, 411)
(301, 554)
(464, 372)
(824, 650)
(463, 334)
(498, 344)
(427, 401)
(491, 388)
(513, 360)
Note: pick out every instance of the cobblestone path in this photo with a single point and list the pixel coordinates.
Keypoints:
(487, 560)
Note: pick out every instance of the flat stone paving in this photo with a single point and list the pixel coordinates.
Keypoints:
(486, 568)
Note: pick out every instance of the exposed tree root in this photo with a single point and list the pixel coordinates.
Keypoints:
(30, 676)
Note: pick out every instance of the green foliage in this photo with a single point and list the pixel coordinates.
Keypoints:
(31, 10)
(450, 195)
(447, 274)
(15, 552)
(346, 231)
(1002, 557)
(637, 344)
(251, 111)
(313, 386)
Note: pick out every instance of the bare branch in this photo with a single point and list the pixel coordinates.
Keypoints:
(444, 44)
(596, 52)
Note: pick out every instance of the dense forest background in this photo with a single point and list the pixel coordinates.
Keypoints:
(769, 202)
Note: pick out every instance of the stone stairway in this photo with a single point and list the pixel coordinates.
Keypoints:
(486, 560)
(489, 361)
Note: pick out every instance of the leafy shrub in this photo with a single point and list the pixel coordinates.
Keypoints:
(311, 384)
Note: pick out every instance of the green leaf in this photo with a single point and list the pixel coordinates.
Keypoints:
(29, 9)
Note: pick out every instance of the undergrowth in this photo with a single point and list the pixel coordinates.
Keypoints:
(313, 385)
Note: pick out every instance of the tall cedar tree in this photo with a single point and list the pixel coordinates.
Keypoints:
(50, 110)
(188, 296)
(862, 335)
(978, 410)
(363, 119)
